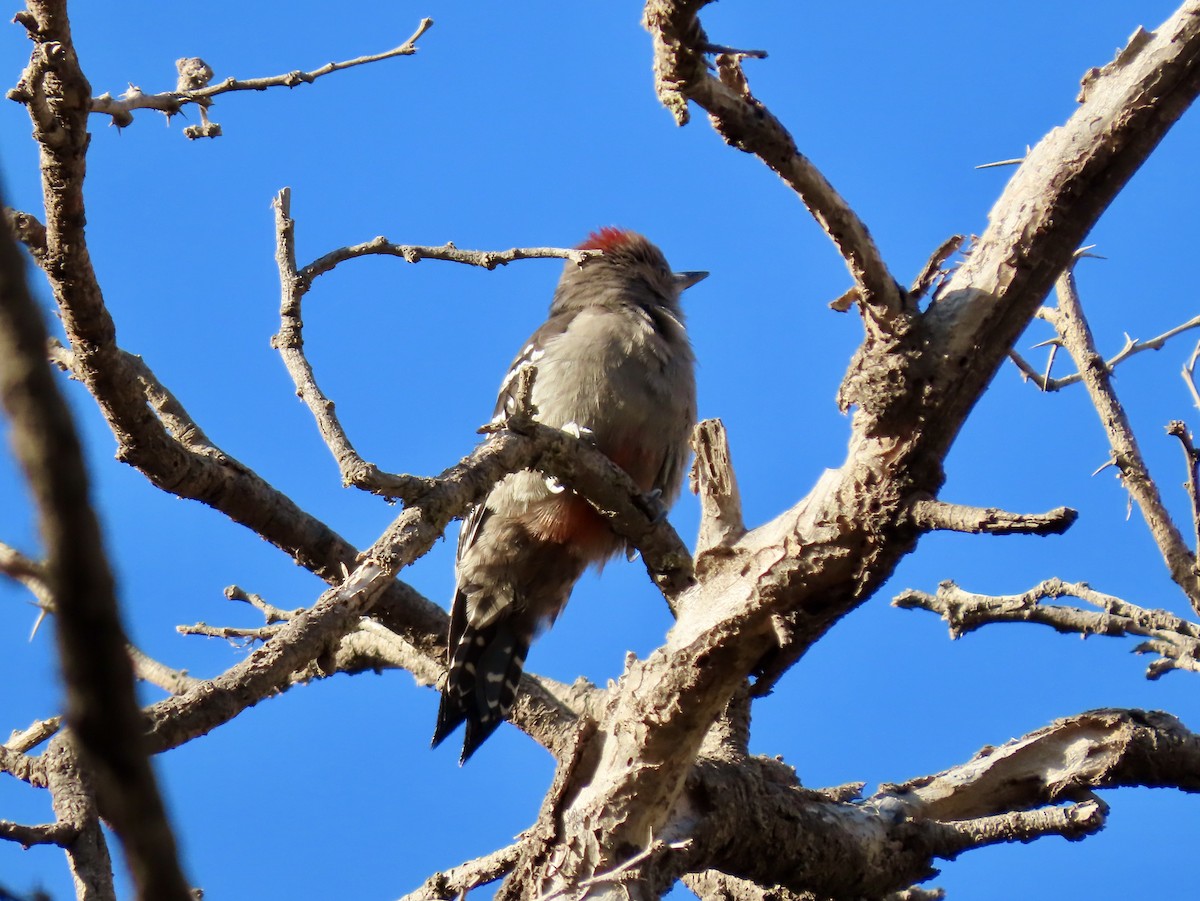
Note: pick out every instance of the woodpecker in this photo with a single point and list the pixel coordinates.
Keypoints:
(615, 366)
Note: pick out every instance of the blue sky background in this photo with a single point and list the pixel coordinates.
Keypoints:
(531, 124)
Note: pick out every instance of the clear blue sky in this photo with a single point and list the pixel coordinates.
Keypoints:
(530, 124)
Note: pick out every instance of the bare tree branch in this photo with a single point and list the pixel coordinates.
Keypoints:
(414, 253)
(29, 573)
(1177, 641)
(101, 707)
(457, 881)
(16, 763)
(193, 87)
(74, 802)
(928, 514)
(1064, 761)
(1072, 326)
(1073, 822)
(27, 229)
(1131, 347)
(1179, 430)
(1189, 370)
(42, 834)
(1004, 794)
(713, 479)
(681, 75)
(290, 341)
(787, 582)
(34, 735)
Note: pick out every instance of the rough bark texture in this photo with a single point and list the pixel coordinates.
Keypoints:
(654, 780)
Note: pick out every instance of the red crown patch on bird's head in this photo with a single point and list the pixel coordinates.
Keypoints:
(608, 238)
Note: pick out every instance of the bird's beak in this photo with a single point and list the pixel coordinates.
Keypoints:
(684, 280)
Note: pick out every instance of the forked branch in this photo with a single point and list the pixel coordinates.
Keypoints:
(681, 75)
(1175, 640)
(1075, 334)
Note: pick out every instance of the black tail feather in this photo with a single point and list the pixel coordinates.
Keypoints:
(481, 684)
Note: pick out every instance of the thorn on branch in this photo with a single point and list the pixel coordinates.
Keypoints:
(1016, 161)
(721, 49)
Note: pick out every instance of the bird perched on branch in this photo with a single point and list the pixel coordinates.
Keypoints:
(614, 365)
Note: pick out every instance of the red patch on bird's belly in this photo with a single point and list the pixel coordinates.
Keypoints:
(637, 461)
(569, 519)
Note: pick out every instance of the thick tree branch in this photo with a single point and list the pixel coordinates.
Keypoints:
(74, 802)
(1064, 761)
(823, 848)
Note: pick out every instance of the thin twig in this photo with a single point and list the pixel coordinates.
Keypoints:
(270, 612)
(1189, 373)
(295, 283)
(1176, 640)
(1128, 349)
(194, 91)
(231, 633)
(414, 253)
